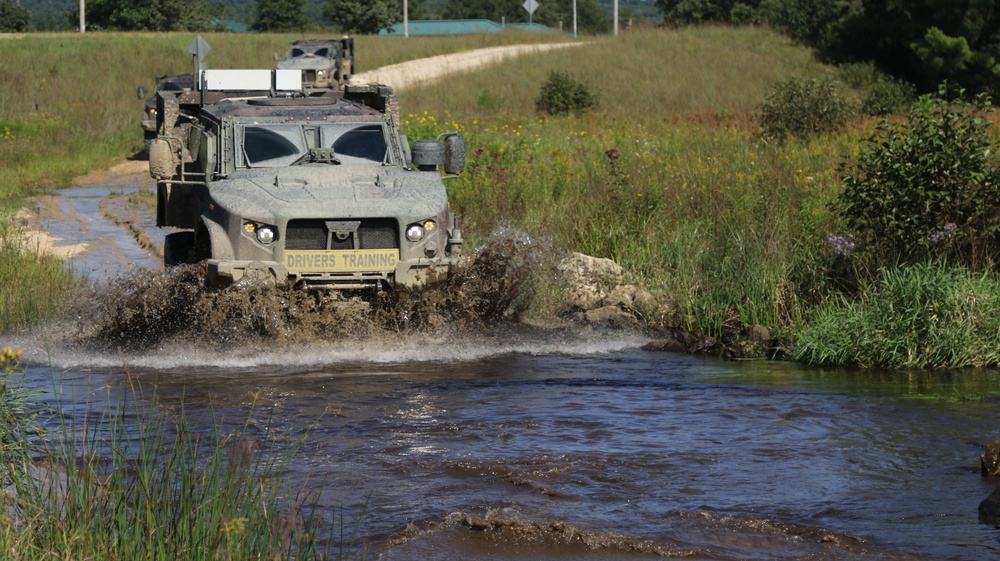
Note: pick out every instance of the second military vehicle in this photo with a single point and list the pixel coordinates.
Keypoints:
(173, 83)
(266, 182)
(325, 63)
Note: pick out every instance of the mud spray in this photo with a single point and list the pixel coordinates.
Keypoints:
(145, 310)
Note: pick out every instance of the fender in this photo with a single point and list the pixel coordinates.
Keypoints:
(219, 245)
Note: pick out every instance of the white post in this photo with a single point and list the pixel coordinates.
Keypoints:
(574, 18)
(406, 19)
(616, 18)
(83, 10)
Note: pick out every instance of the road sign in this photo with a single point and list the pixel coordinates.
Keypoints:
(530, 5)
(199, 48)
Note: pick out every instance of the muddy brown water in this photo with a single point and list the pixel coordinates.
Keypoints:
(506, 442)
(540, 445)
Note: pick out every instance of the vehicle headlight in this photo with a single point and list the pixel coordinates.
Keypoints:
(321, 73)
(415, 233)
(265, 234)
(261, 232)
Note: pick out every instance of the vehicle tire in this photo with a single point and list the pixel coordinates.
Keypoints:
(178, 249)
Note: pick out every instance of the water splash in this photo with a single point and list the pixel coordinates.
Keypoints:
(145, 309)
(170, 319)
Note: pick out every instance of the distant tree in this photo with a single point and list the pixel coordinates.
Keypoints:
(927, 41)
(814, 23)
(707, 11)
(279, 15)
(591, 17)
(363, 17)
(187, 15)
(13, 18)
(149, 15)
(495, 10)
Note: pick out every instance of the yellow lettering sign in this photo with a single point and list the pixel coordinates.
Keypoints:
(361, 261)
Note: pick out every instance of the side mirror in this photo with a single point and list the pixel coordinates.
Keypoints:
(454, 153)
(140, 92)
(276, 56)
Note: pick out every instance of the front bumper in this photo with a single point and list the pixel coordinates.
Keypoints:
(410, 274)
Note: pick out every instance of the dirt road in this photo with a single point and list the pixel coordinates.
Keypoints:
(421, 71)
(416, 72)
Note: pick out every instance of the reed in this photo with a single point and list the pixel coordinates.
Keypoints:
(911, 317)
(32, 286)
(139, 482)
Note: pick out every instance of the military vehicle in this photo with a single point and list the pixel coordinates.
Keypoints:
(325, 63)
(266, 182)
(174, 83)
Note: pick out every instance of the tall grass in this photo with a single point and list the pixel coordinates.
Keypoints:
(32, 286)
(913, 317)
(683, 193)
(645, 76)
(135, 482)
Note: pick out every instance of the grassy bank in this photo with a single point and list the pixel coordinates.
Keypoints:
(668, 176)
(671, 178)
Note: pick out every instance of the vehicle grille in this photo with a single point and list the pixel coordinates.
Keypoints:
(309, 76)
(312, 234)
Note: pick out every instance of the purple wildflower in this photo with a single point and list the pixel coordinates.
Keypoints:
(842, 245)
(944, 233)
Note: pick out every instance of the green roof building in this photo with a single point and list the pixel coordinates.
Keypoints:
(460, 27)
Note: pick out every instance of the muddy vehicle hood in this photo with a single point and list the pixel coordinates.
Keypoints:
(325, 190)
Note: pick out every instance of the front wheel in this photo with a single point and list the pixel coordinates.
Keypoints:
(178, 249)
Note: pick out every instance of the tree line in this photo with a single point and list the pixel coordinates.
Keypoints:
(924, 42)
(345, 16)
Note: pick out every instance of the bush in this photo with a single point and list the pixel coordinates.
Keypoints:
(926, 188)
(810, 22)
(802, 108)
(888, 96)
(859, 75)
(561, 94)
